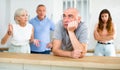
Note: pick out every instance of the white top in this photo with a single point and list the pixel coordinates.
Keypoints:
(21, 35)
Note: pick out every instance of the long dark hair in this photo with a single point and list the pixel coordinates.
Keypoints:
(109, 26)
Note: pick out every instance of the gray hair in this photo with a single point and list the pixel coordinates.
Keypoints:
(18, 13)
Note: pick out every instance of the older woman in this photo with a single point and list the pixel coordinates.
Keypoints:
(21, 33)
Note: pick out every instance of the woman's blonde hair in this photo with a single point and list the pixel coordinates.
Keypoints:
(18, 13)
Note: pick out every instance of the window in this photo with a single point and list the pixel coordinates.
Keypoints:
(81, 5)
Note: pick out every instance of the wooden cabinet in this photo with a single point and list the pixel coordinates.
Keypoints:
(36, 67)
(15, 61)
(65, 68)
(11, 66)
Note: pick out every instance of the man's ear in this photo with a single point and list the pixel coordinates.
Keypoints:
(79, 19)
(36, 11)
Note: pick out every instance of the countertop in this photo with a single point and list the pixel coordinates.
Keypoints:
(44, 59)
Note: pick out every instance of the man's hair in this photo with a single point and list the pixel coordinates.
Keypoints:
(40, 5)
(75, 10)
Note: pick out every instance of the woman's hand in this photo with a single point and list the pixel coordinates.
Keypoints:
(36, 42)
(10, 29)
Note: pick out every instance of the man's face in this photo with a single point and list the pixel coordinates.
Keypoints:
(41, 11)
(69, 16)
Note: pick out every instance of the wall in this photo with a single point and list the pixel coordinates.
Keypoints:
(54, 11)
(4, 17)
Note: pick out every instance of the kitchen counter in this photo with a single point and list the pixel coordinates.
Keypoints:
(18, 61)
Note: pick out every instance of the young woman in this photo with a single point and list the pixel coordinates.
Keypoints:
(104, 33)
(21, 33)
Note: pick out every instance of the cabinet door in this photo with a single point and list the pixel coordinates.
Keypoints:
(97, 69)
(36, 67)
(65, 68)
(10, 66)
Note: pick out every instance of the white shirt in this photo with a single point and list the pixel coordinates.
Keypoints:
(21, 35)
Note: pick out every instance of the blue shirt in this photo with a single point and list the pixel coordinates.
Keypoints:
(42, 30)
